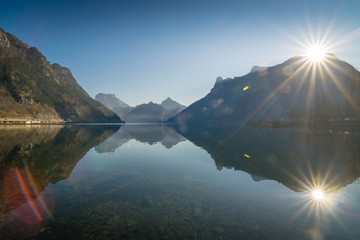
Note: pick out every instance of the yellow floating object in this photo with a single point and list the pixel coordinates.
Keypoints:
(246, 155)
(246, 88)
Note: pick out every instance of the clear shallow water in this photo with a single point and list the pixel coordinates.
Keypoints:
(149, 182)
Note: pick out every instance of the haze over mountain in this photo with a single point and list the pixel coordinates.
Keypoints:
(147, 113)
(114, 103)
(296, 90)
(110, 100)
(143, 113)
(172, 106)
(31, 87)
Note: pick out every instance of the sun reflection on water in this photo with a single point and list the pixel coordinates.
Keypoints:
(320, 200)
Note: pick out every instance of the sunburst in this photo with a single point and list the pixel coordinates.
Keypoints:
(318, 194)
(316, 53)
(316, 68)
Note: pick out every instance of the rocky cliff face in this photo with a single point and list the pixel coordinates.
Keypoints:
(31, 87)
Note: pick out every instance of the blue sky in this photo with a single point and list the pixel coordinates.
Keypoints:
(144, 50)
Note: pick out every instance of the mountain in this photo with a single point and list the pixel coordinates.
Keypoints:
(32, 88)
(295, 91)
(152, 113)
(172, 106)
(110, 100)
(114, 103)
(147, 113)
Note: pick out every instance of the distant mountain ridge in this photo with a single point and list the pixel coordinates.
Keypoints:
(115, 104)
(147, 113)
(143, 113)
(110, 100)
(31, 87)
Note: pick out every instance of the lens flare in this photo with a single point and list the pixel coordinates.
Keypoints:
(24, 196)
(29, 196)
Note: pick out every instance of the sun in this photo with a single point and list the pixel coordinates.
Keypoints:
(316, 53)
(318, 194)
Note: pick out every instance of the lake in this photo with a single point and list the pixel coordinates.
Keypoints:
(151, 182)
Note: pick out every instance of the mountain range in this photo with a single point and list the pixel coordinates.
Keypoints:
(147, 113)
(143, 113)
(32, 88)
(297, 90)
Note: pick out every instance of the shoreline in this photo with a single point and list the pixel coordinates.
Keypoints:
(31, 121)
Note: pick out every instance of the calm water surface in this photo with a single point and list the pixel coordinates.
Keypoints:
(150, 182)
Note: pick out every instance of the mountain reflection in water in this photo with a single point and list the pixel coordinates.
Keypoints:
(301, 159)
(151, 133)
(32, 157)
(149, 182)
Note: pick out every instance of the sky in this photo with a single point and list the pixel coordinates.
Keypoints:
(148, 50)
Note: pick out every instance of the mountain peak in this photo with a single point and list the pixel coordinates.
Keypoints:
(172, 106)
(110, 100)
(218, 80)
(168, 100)
(257, 68)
